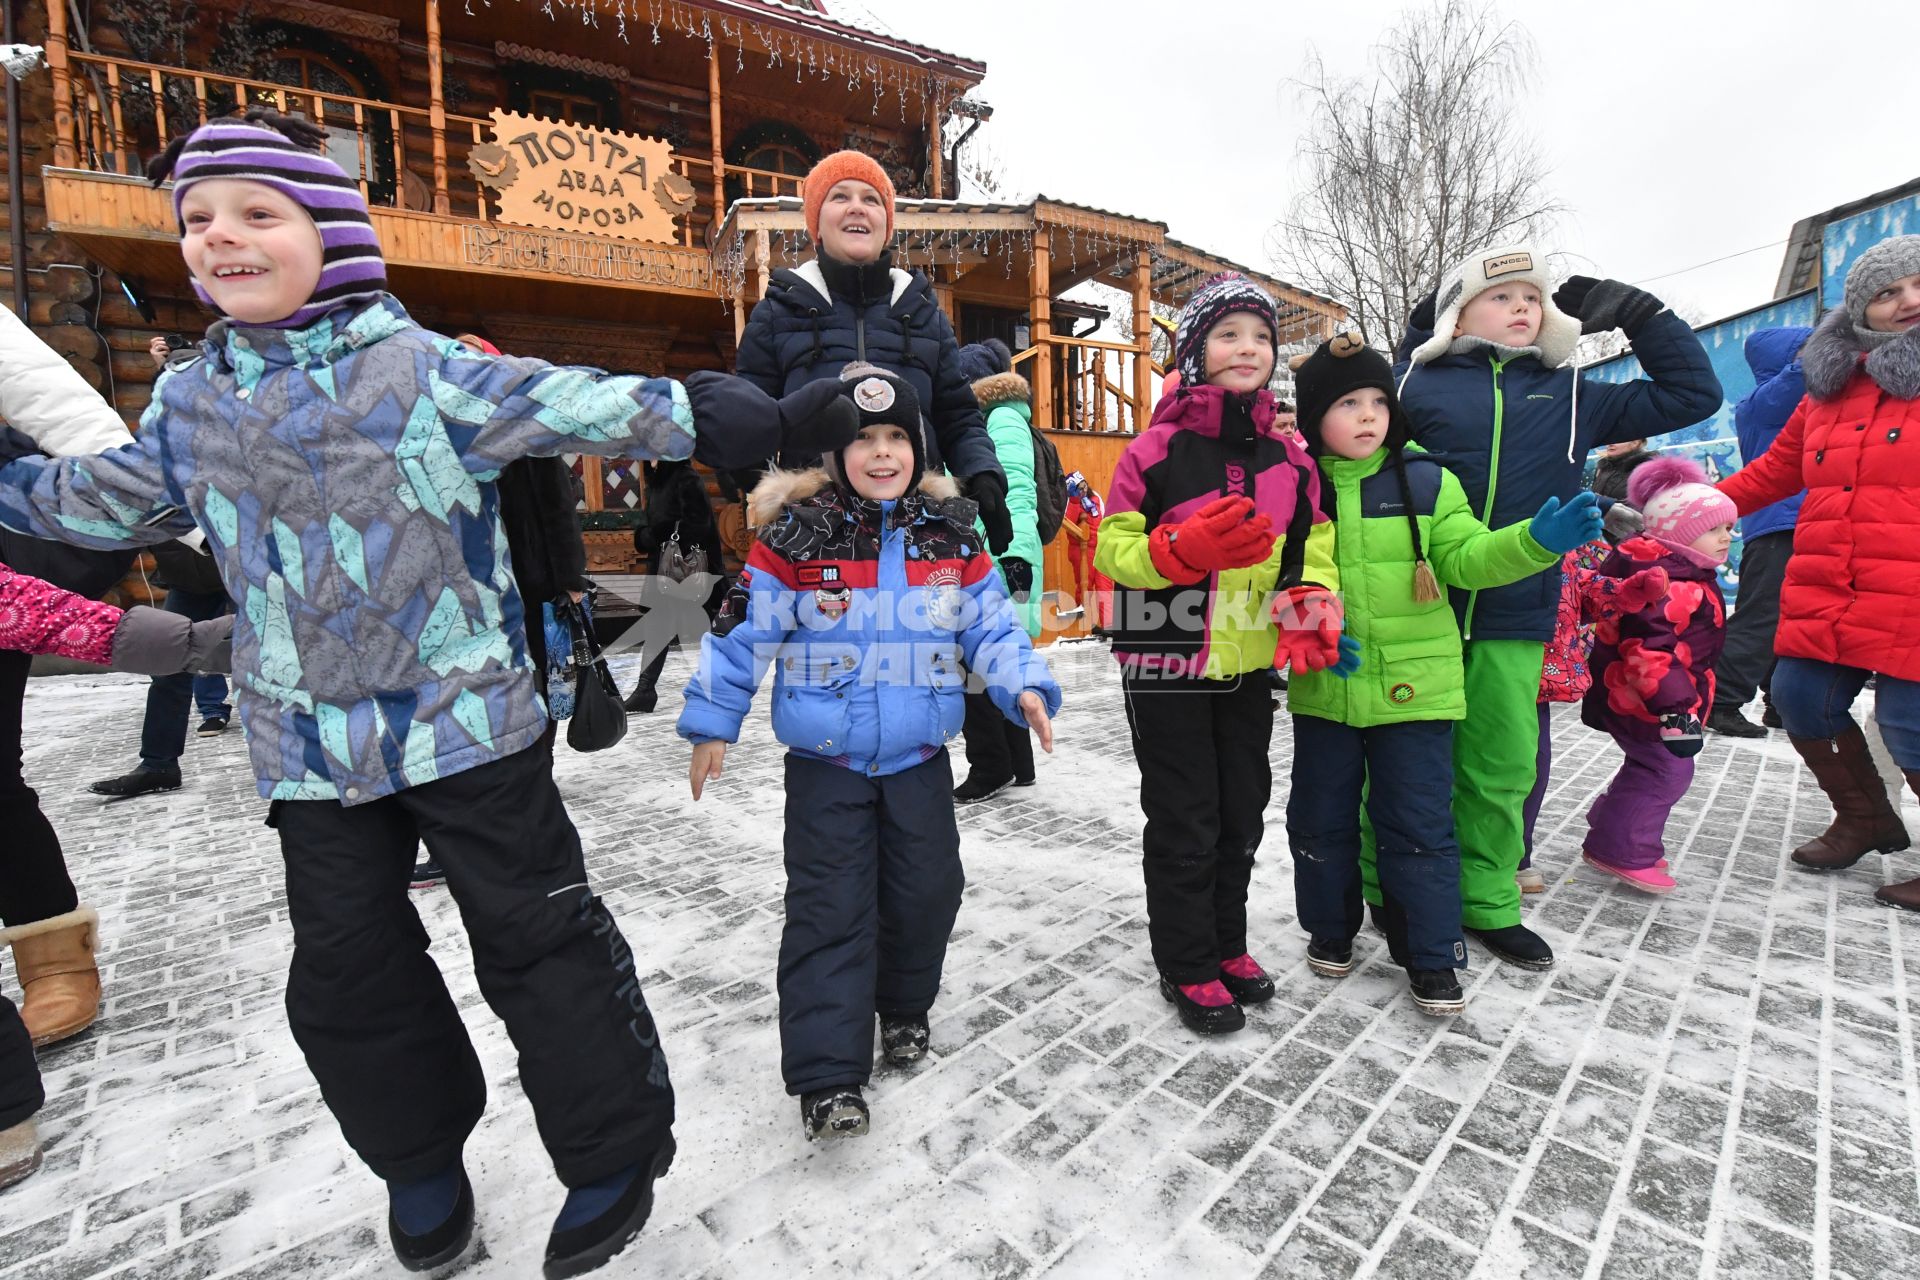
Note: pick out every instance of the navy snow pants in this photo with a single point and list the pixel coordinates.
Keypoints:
(1410, 803)
(873, 886)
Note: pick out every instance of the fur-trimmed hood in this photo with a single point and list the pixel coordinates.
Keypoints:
(1002, 388)
(779, 489)
(1833, 354)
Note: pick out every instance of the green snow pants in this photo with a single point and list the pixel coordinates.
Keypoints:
(1494, 754)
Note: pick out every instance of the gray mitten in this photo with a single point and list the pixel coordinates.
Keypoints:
(153, 642)
(1620, 523)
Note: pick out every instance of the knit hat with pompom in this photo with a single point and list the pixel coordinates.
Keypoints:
(1675, 500)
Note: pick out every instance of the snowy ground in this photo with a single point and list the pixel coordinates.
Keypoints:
(1719, 1083)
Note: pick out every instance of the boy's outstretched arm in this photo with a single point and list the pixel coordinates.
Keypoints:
(512, 407)
(755, 619)
(120, 498)
(996, 649)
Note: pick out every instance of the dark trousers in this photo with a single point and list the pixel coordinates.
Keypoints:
(163, 733)
(1542, 768)
(873, 886)
(1410, 806)
(996, 746)
(34, 884)
(21, 1093)
(1204, 785)
(368, 1008)
(1746, 663)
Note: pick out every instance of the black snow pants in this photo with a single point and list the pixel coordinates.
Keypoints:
(20, 1092)
(996, 747)
(1204, 785)
(873, 887)
(369, 1009)
(34, 884)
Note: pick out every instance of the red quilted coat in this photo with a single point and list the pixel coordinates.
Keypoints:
(1852, 590)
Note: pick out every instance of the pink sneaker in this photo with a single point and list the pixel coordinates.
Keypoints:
(1647, 879)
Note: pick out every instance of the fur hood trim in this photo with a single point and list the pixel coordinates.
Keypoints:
(1832, 356)
(79, 916)
(779, 489)
(1002, 388)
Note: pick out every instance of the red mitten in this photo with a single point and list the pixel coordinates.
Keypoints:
(1642, 589)
(1310, 621)
(1216, 537)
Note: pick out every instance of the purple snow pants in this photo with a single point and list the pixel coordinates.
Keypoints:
(1625, 825)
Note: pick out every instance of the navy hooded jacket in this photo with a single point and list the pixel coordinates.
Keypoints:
(1507, 430)
(805, 330)
(1778, 388)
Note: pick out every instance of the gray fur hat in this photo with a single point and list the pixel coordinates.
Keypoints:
(1892, 259)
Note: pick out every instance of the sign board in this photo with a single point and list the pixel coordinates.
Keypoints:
(546, 173)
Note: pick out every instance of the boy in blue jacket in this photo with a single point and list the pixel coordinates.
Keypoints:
(342, 461)
(870, 596)
(1484, 385)
(1766, 536)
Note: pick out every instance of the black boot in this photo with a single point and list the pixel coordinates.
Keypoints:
(1330, 957)
(138, 783)
(834, 1113)
(1205, 1019)
(1253, 988)
(1769, 717)
(1436, 991)
(644, 697)
(1517, 945)
(903, 1038)
(1729, 721)
(438, 1245)
(978, 787)
(580, 1247)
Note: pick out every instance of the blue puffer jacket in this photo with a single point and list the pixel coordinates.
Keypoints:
(816, 320)
(866, 612)
(1779, 386)
(1508, 430)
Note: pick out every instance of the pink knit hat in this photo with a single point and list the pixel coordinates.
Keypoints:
(1676, 502)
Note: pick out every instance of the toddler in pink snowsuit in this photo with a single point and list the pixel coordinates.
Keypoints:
(1653, 668)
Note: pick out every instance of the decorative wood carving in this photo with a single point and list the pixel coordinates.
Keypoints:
(507, 51)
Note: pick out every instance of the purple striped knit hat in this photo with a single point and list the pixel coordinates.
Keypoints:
(351, 268)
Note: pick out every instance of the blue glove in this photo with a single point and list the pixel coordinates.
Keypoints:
(1349, 657)
(1561, 528)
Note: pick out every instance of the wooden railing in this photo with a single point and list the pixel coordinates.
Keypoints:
(1092, 385)
(126, 112)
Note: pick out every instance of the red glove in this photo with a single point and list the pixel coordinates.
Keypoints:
(1310, 621)
(1641, 590)
(1218, 536)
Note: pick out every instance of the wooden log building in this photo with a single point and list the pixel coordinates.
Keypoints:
(605, 182)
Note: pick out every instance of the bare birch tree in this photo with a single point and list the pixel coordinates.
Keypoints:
(1415, 167)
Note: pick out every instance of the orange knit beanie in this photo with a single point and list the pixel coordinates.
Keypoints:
(838, 167)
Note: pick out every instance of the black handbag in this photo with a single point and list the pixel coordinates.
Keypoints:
(599, 717)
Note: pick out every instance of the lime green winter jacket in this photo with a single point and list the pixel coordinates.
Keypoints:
(1410, 666)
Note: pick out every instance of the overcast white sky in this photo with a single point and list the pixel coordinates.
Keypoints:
(1678, 130)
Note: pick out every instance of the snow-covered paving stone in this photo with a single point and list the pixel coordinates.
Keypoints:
(1719, 1083)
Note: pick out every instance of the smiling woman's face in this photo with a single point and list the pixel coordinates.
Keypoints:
(1896, 308)
(853, 222)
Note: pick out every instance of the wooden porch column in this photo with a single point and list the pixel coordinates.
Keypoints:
(65, 154)
(1142, 340)
(935, 186)
(437, 109)
(719, 149)
(1040, 327)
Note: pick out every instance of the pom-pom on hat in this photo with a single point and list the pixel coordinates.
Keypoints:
(282, 152)
(1219, 297)
(1467, 280)
(882, 399)
(838, 167)
(1675, 501)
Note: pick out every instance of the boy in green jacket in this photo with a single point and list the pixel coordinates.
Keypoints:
(1402, 528)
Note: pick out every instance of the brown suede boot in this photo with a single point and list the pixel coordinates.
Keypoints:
(1864, 819)
(54, 959)
(1906, 894)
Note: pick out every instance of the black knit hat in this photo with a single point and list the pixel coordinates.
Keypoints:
(1344, 364)
(984, 359)
(882, 399)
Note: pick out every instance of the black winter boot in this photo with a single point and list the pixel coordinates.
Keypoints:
(978, 787)
(1330, 957)
(834, 1113)
(1729, 721)
(1203, 1019)
(1517, 945)
(903, 1038)
(644, 697)
(437, 1245)
(577, 1247)
(138, 783)
(1437, 992)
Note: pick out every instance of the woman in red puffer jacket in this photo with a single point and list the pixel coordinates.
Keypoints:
(1847, 608)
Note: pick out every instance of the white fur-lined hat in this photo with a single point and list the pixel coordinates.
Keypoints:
(1505, 264)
